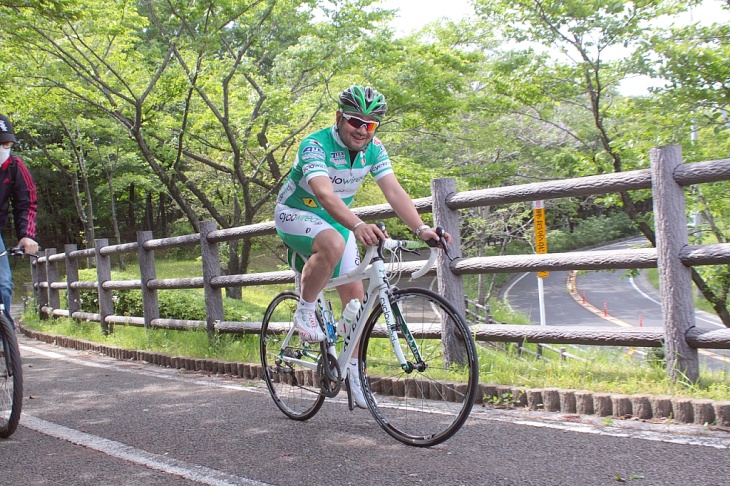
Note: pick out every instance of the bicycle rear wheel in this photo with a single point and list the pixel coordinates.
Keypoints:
(11, 380)
(294, 388)
(429, 403)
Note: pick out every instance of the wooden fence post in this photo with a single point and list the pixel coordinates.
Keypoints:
(103, 274)
(35, 272)
(147, 272)
(675, 279)
(211, 269)
(54, 297)
(43, 289)
(73, 297)
(450, 286)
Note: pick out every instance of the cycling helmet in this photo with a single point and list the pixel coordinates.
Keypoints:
(363, 100)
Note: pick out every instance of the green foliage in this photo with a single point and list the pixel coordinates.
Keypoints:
(591, 231)
(175, 304)
(609, 370)
(194, 343)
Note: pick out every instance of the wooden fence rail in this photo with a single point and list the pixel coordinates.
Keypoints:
(673, 256)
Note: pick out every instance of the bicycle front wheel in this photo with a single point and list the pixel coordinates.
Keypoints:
(11, 380)
(427, 401)
(294, 387)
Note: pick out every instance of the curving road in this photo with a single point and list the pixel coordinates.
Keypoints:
(91, 420)
(604, 298)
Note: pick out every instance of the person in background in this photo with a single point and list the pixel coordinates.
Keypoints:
(17, 190)
(313, 215)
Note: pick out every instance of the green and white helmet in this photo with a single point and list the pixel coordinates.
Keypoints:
(363, 100)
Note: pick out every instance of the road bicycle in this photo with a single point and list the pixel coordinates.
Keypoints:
(11, 372)
(417, 358)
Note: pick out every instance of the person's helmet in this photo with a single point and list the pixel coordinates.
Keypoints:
(363, 100)
(7, 133)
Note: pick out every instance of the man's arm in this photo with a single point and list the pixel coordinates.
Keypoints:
(367, 234)
(403, 206)
(24, 203)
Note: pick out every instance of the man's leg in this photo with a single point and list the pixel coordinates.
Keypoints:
(6, 283)
(327, 249)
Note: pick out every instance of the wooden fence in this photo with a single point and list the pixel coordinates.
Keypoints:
(673, 256)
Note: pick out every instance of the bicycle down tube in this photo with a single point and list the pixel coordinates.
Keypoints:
(421, 402)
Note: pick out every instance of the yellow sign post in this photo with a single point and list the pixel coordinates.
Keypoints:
(541, 248)
(540, 232)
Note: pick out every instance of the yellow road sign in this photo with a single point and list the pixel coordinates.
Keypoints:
(540, 234)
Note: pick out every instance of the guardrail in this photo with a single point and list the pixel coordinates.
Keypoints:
(673, 255)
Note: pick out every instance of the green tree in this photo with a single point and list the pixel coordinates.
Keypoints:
(535, 85)
(213, 94)
(692, 60)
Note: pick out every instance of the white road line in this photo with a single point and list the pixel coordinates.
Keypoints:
(509, 289)
(128, 453)
(697, 317)
(137, 371)
(636, 287)
(483, 414)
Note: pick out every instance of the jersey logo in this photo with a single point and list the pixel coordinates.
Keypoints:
(315, 150)
(309, 202)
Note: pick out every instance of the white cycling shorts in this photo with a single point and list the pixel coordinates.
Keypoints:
(297, 228)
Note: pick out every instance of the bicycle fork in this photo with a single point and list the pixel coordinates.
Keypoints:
(395, 321)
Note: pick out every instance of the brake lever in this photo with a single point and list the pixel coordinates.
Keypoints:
(441, 242)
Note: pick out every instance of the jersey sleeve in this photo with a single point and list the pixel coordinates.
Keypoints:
(312, 160)
(382, 166)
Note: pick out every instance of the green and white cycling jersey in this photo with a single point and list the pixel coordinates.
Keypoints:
(323, 154)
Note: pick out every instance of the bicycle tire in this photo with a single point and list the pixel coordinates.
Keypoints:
(294, 388)
(11, 380)
(419, 408)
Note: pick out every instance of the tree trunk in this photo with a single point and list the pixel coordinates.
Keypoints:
(148, 213)
(131, 219)
(115, 219)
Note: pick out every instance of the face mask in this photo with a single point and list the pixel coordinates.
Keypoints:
(4, 154)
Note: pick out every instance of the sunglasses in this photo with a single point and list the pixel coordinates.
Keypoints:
(356, 122)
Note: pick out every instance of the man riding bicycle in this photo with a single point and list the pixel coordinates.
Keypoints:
(313, 217)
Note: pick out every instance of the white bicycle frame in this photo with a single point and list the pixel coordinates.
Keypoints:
(378, 284)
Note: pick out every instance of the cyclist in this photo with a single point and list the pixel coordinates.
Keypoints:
(17, 189)
(312, 214)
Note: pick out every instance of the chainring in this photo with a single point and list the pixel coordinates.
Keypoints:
(330, 375)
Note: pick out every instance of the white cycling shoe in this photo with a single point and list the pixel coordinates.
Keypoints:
(308, 327)
(353, 379)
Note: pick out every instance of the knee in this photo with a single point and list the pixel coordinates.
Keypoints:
(330, 246)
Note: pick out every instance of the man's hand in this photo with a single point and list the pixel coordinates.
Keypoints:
(369, 234)
(29, 245)
(430, 234)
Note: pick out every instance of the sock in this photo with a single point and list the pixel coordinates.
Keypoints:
(303, 304)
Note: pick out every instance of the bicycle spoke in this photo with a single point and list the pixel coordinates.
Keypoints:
(293, 386)
(11, 380)
(429, 404)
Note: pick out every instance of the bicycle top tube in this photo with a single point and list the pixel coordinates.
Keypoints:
(388, 244)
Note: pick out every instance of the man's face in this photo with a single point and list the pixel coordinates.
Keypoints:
(7, 145)
(356, 131)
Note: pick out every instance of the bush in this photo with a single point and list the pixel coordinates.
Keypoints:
(591, 231)
(184, 304)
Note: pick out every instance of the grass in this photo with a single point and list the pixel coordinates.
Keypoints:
(610, 370)
(652, 275)
(193, 343)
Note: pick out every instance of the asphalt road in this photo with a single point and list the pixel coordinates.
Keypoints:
(616, 299)
(91, 420)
